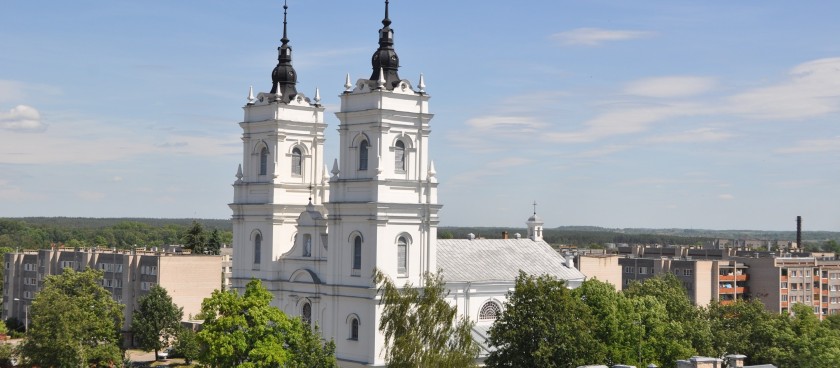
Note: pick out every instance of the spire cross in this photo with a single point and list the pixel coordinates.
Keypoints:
(535, 207)
(310, 192)
(285, 39)
(386, 21)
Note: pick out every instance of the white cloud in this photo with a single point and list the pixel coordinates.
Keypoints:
(22, 118)
(726, 197)
(813, 146)
(74, 140)
(597, 36)
(602, 151)
(117, 179)
(10, 192)
(91, 195)
(508, 124)
(675, 86)
(625, 120)
(17, 92)
(691, 136)
(812, 90)
(510, 162)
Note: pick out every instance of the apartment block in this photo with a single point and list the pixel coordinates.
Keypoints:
(778, 279)
(128, 275)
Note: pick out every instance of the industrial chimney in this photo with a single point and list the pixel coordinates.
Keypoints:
(799, 232)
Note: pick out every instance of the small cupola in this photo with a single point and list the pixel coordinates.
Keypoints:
(535, 226)
(284, 77)
(385, 60)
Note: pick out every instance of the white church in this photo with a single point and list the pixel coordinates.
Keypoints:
(313, 235)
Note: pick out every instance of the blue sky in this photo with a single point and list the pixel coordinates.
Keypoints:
(715, 114)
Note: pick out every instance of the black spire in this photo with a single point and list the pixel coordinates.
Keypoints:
(283, 75)
(385, 58)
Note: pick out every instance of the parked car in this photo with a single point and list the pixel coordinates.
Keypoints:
(164, 354)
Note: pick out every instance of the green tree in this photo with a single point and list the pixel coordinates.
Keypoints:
(687, 319)
(195, 239)
(187, 345)
(214, 243)
(740, 328)
(245, 331)
(420, 327)
(75, 323)
(544, 325)
(156, 320)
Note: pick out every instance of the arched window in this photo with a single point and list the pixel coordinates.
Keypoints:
(402, 255)
(354, 329)
(399, 156)
(257, 248)
(297, 162)
(307, 245)
(264, 161)
(357, 253)
(363, 155)
(306, 313)
(489, 311)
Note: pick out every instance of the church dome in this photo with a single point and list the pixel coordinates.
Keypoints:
(284, 77)
(535, 218)
(385, 60)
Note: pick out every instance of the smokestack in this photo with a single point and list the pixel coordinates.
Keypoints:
(799, 232)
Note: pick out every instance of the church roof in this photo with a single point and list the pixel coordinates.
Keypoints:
(500, 260)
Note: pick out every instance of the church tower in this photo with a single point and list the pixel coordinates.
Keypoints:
(282, 169)
(535, 226)
(383, 210)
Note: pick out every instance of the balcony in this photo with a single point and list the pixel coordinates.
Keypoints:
(732, 290)
(783, 278)
(733, 278)
(727, 302)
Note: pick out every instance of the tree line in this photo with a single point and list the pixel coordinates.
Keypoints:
(238, 330)
(39, 233)
(546, 324)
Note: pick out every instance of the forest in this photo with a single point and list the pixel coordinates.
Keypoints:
(40, 232)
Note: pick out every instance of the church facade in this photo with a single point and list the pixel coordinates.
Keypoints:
(313, 235)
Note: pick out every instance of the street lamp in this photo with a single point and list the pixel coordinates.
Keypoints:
(26, 313)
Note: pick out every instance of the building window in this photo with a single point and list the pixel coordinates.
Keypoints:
(399, 156)
(402, 256)
(357, 255)
(264, 161)
(354, 329)
(628, 269)
(794, 286)
(307, 245)
(306, 313)
(807, 273)
(793, 298)
(297, 162)
(489, 312)
(257, 248)
(642, 270)
(677, 271)
(783, 285)
(793, 273)
(363, 155)
(784, 297)
(687, 272)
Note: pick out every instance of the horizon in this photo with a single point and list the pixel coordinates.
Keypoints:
(620, 115)
(439, 227)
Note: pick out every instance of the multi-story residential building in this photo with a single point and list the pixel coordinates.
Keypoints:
(778, 279)
(128, 275)
(780, 282)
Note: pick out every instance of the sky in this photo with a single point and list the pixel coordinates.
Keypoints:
(657, 114)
